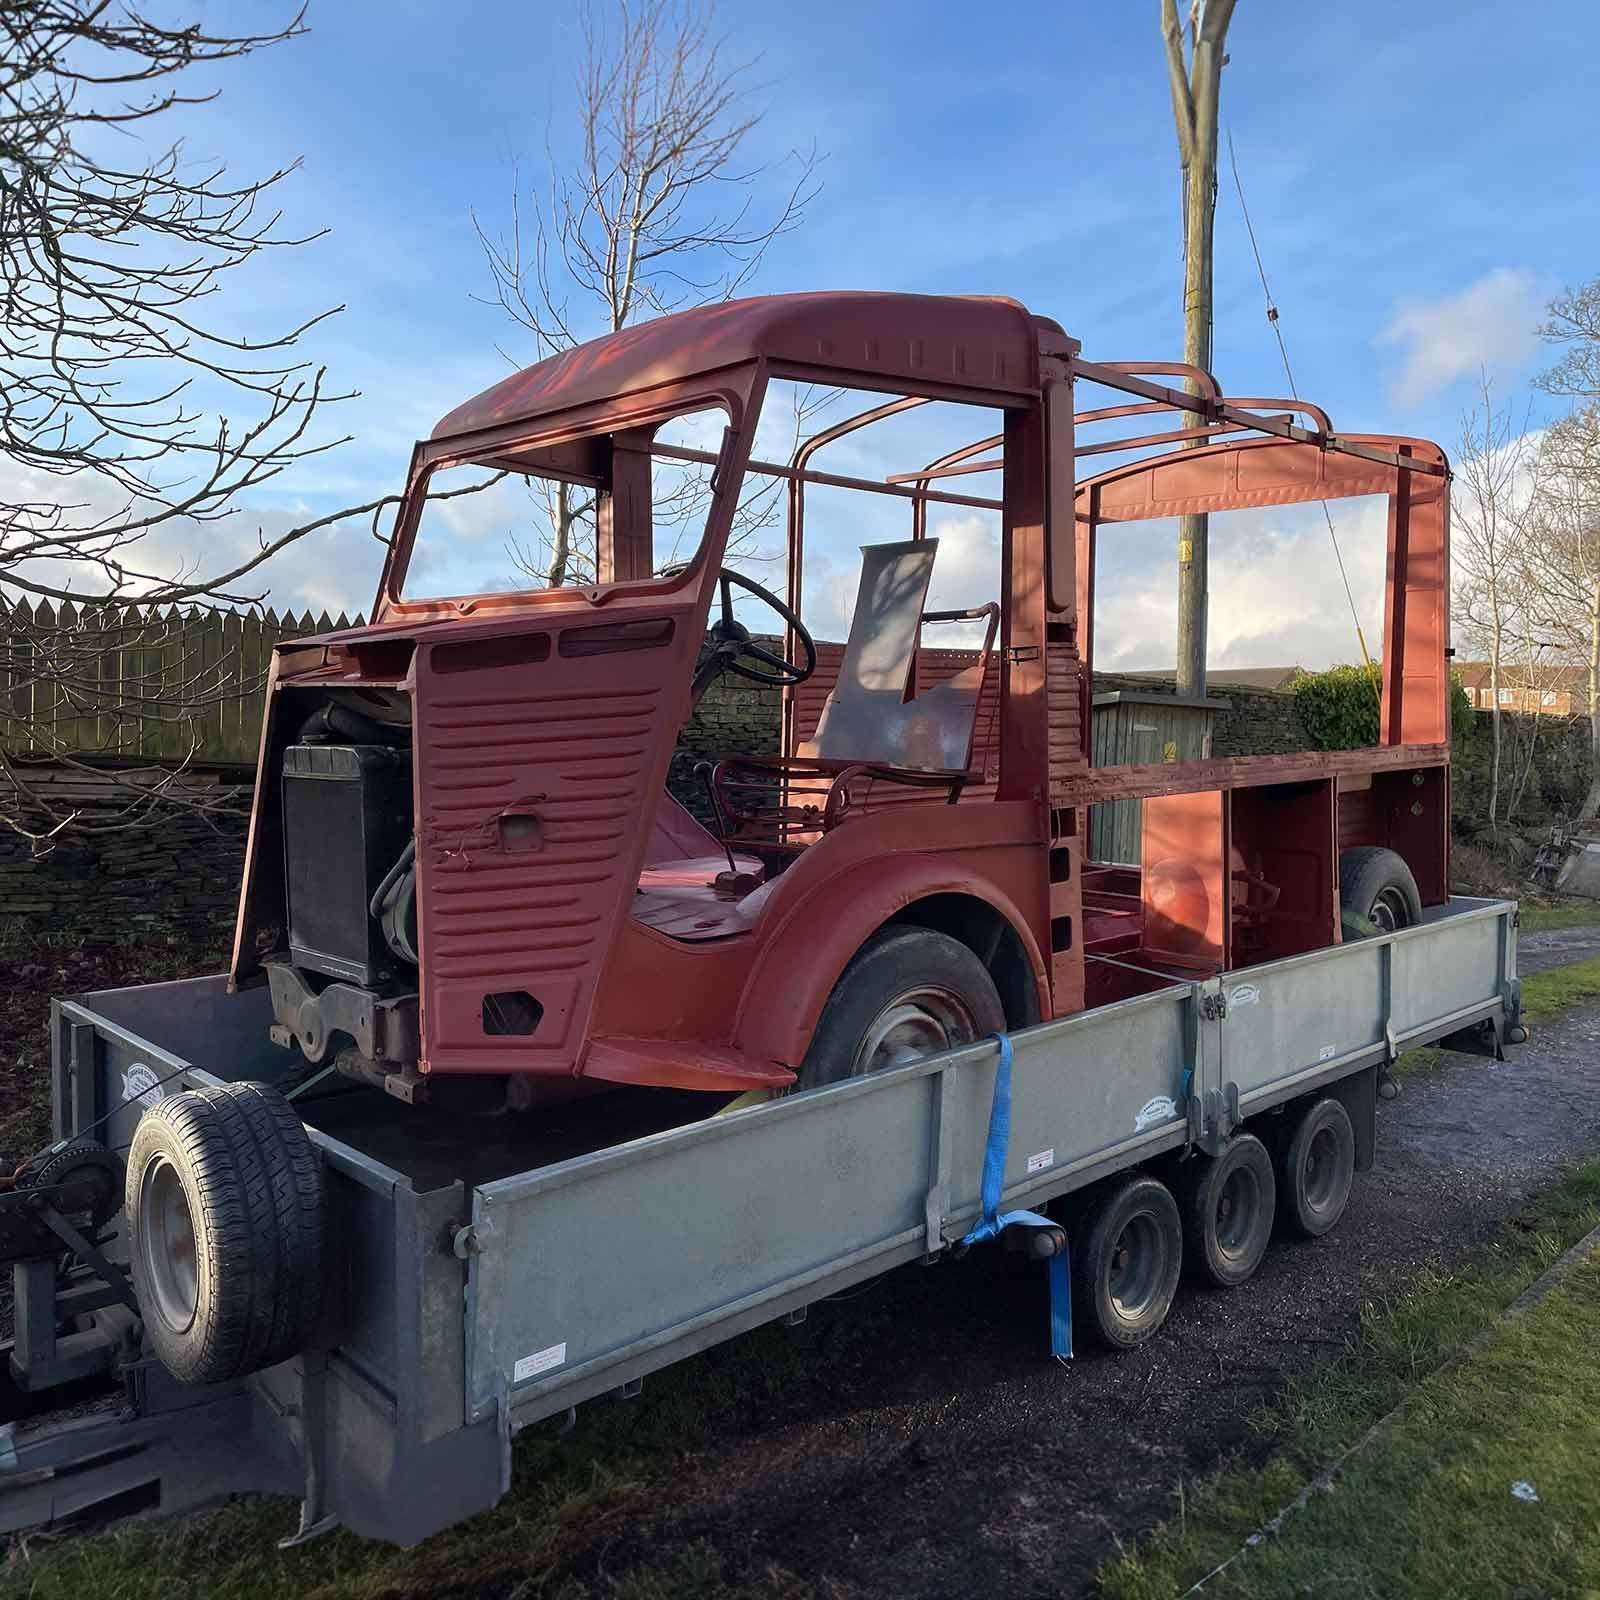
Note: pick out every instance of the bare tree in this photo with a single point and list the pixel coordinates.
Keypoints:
(658, 210)
(131, 408)
(1490, 546)
(1574, 324)
(1564, 553)
(1196, 85)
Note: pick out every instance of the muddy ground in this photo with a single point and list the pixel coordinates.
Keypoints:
(949, 1456)
(933, 1448)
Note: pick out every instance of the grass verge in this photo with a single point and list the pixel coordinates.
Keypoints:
(1536, 918)
(1427, 1510)
(1546, 994)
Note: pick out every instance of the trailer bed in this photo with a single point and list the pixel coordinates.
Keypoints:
(486, 1272)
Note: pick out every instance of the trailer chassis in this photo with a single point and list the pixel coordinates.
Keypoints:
(473, 1291)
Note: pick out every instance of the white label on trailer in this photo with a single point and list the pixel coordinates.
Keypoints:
(1244, 994)
(1327, 1052)
(141, 1084)
(1160, 1109)
(1045, 1158)
(540, 1361)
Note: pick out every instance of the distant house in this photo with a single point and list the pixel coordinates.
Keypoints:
(1549, 690)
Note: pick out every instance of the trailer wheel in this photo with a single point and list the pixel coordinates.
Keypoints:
(1228, 1205)
(1316, 1169)
(907, 992)
(224, 1201)
(1377, 888)
(1127, 1261)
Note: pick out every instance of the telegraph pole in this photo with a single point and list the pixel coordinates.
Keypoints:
(1196, 82)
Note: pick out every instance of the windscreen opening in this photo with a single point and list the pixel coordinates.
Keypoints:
(608, 508)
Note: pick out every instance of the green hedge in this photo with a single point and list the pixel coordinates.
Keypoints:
(1339, 708)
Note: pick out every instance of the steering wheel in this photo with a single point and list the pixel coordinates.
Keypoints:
(730, 641)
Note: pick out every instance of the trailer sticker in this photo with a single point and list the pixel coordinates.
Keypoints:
(1327, 1052)
(1160, 1109)
(540, 1361)
(1045, 1158)
(1244, 994)
(141, 1084)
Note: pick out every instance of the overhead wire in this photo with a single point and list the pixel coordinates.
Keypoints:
(1276, 325)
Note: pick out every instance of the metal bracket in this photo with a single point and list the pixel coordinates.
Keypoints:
(1214, 1007)
(471, 1239)
(90, 1255)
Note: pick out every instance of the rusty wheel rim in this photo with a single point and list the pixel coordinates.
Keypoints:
(168, 1247)
(920, 1022)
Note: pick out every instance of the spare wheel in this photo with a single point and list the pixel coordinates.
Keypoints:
(224, 1202)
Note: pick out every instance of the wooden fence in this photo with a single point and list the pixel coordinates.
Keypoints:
(100, 679)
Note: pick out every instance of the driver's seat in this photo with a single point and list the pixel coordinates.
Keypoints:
(868, 730)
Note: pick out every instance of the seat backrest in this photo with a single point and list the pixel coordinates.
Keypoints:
(866, 716)
(876, 670)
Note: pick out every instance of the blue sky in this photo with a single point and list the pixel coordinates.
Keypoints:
(1420, 180)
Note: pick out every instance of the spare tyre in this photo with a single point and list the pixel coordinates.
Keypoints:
(224, 1202)
(1377, 893)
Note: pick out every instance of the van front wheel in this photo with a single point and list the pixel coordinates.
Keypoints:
(908, 992)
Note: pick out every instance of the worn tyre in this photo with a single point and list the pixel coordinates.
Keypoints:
(224, 1201)
(907, 992)
(1228, 1207)
(1316, 1169)
(1126, 1262)
(1377, 892)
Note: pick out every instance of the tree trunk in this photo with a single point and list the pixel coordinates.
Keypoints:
(561, 537)
(1591, 802)
(1494, 721)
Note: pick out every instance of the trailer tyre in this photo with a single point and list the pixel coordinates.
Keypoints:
(224, 1201)
(1228, 1206)
(1377, 892)
(1316, 1169)
(1126, 1265)
(907, 992)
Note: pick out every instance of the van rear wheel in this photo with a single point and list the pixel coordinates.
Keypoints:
(224, 1203)
(1377, 892)
(908, 992)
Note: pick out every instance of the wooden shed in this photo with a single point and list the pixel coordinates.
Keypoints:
(1131, 727)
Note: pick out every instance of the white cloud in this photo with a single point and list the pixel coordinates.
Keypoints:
(1490, 323)
(1276, 596)
(333, 570)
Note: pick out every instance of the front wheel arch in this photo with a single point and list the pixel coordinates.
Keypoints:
(803, 958)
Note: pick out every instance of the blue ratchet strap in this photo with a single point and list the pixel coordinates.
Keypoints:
(994, 1221)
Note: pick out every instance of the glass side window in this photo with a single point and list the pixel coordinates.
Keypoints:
(513, 525)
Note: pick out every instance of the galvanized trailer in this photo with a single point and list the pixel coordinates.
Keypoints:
(480, 1276)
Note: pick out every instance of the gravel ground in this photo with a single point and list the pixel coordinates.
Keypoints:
(1555, 947)
(944, 1454)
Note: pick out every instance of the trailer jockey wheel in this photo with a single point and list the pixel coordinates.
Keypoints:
(1127, 1258)
(224, 1201)
(1316, 1168)
(1228, 1205)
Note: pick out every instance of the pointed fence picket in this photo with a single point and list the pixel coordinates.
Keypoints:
(96, 677)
